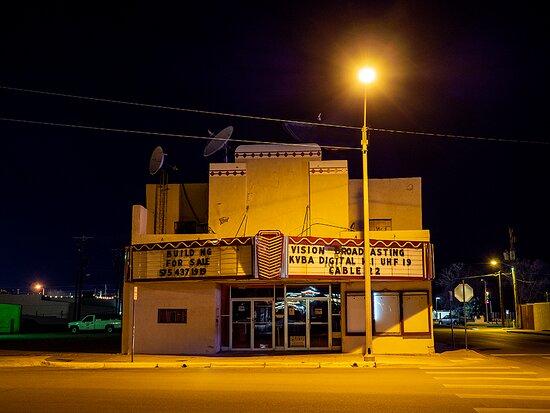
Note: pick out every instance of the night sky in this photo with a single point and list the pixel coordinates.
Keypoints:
(447, 67)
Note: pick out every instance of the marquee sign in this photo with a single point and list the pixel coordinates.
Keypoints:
(215, 258)
(309, 257)
(271, 255)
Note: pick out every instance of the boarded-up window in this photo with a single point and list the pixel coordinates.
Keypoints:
(416, 318)
(172, 316)
(387, 315)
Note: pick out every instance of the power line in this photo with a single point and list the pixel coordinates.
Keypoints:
(447, 135)
(174, 108)
(270, 119)
(171, 135)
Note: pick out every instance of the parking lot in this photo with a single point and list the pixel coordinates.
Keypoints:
(65, 341)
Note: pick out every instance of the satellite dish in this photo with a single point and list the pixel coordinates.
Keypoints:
(156, 161)
(219, 141)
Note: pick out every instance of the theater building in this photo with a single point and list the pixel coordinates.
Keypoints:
(268, 256)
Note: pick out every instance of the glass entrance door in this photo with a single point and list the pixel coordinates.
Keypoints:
(252, 324)
(296, 313)
(307, 324)
(263, 324)
(241, 325)
(318, 323)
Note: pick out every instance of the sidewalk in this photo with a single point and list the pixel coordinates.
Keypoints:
(311, 361)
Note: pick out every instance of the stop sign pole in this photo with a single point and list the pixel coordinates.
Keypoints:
(464, 294)
(464, 310)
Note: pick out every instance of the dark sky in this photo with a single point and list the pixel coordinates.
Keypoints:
(467, 68)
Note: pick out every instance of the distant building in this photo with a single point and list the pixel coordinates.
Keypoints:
(268, 256)
(10, 318)
(37, 305)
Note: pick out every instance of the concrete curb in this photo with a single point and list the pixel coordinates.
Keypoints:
(183, 365)
(540, 333)
(202, 365)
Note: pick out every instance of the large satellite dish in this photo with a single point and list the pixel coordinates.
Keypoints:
(219, 141)
(156, 161)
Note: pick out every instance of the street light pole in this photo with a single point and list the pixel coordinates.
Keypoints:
(437, 312)
(366, 228)
(517, 320)
(366, 76)
(500, 298)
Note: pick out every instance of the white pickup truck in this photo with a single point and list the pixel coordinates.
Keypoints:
(106, 323)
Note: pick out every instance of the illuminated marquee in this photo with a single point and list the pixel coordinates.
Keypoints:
(231, 257)
(343, 258)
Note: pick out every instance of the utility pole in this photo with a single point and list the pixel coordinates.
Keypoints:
(502, 311)
(118, 266)
(79, 279)
(517, 318)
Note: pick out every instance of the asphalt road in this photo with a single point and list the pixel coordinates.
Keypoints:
(533, 349)
(272, 390)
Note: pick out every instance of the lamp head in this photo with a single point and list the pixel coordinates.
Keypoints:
(366, 75)
(494, 262)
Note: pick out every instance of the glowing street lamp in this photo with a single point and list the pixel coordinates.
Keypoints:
(39, 288)
(437, 312)
(366, 76)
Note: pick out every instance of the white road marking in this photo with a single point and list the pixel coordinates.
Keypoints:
(482, 373)
(496, 386)
(508, 410)
(520, 354)
(495, 378)
(466, 367)
(501, 396)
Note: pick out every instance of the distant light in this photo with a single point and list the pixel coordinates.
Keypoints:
(366, 75)
(438, 298)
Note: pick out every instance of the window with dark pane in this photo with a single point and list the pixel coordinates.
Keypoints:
(172, 316)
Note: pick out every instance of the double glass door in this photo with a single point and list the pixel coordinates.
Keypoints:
(252, 324)
(295, 317)
(307, 323)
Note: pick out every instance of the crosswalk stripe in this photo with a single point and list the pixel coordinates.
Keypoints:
(501, 396)
(508, 410)
(496, 386)
(495, 378)
(483, 373)
(467, 367)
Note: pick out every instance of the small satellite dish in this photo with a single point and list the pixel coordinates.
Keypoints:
(156, 161)
(219, 141)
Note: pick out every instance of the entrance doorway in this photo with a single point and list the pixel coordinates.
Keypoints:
(285, 317)
(252, 324)
(307, 324)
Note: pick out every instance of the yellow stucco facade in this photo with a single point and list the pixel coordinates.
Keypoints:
(309, 203)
